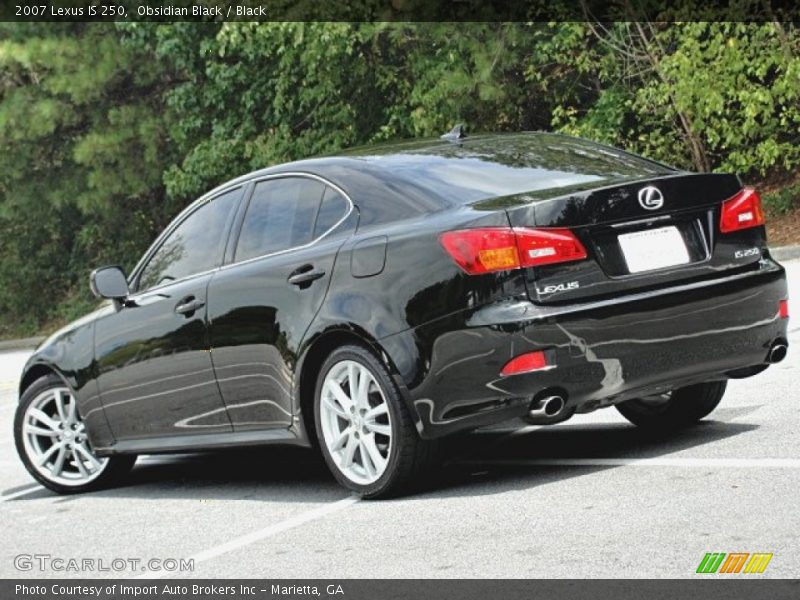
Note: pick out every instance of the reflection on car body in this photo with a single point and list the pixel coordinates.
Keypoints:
(374, 302)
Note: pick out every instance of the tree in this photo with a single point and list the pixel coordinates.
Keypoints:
(702, 95)
(107, 131)
(82, 152)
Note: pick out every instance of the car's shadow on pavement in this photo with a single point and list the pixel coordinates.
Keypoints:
(282, 474)
(494, 462)
(477, 463)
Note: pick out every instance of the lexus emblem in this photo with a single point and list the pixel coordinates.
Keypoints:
(651, 198)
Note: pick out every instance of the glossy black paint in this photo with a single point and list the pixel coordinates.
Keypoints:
(598, 216)
(606, 351)
(257, 321)
(229, 356)
(154, 370)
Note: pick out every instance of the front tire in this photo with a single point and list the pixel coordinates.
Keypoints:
(365, 431)
(679, 408)
(52, 441)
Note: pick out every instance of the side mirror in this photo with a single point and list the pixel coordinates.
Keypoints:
(109, 282)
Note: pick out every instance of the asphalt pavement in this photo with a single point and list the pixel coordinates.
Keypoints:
(591, 497)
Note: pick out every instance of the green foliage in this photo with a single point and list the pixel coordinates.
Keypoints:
(707, 96)
(783, 201)
(106, 131)
(273, 92)
(83, 146)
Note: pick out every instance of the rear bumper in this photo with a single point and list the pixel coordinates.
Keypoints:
(602, 352)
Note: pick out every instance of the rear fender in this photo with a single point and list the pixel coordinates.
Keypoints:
(318, 346)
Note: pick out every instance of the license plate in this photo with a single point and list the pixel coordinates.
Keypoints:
(653, 249)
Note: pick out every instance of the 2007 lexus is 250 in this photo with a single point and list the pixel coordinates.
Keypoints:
(370, 303)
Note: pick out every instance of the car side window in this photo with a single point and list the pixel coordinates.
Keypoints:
(334, 207)
(280, 216)
(194, 246)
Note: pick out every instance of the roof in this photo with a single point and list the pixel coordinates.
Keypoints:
(426, 175)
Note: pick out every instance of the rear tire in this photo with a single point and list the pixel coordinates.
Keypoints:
(683, 407)
(365, 431)
(53, 444)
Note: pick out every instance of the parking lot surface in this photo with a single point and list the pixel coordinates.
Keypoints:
(592, 497)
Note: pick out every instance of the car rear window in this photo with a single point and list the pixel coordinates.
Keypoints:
(482, 168)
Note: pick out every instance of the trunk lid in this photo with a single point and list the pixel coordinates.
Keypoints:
(638, 235)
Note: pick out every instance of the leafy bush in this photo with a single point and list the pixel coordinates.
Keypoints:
(783, 201)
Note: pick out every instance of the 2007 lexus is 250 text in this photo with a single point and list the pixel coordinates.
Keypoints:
(373, 302)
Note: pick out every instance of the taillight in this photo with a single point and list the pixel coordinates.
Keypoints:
(525, 363)
(547, 246)
(489, 249)
(482, 250)
(783, 309)
(742, 211)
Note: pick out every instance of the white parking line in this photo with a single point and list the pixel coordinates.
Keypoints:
(260, 534)
(760, 463)
(21, 493)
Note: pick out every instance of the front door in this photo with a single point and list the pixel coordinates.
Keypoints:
(156, 379)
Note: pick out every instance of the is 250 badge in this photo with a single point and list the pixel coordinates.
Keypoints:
(746, 253)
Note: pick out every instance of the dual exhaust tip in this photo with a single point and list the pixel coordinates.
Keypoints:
(777, 353)
(551, 407)
(548, 407)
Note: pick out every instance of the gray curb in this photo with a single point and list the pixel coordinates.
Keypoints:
(785, 252)
(23, 344)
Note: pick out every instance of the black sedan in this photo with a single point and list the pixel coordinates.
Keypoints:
(371, 303)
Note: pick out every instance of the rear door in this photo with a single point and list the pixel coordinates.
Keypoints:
(640, 235)
(262, 303)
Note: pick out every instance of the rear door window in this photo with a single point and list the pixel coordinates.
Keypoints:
(280, 216)
(334, 208)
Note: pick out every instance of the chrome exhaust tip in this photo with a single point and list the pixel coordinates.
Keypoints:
(777, 353)
(550, 406)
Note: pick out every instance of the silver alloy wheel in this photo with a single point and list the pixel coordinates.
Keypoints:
(55, 440)
(355, 420)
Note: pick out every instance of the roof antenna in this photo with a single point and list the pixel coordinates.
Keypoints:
(455, 134)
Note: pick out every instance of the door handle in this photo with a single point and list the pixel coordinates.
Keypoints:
(189, 305)
(305, 275)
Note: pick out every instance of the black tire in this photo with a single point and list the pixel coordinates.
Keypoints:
(685, 406)
(116, 467)
(410, 457)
